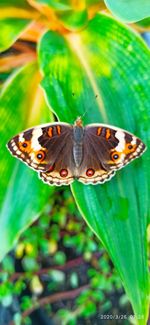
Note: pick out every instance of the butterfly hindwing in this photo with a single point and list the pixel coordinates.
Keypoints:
(61, 173)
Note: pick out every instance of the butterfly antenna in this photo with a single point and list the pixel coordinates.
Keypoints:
(85, 112)
(86, 109)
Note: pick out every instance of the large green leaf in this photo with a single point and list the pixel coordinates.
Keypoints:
(103, 73)
(129, 10)
(22, 194)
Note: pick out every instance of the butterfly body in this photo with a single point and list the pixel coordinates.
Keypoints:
(61, 152)
(78, 135)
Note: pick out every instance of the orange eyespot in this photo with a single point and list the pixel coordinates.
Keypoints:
(130, 146)
(115, 156)
(25, 146)
(40, 155)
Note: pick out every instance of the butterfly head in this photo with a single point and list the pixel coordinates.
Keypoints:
(78, 122)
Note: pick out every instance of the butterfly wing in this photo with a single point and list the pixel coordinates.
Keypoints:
(107, 149)
(49, 150)
(62, 171)
(42, 149)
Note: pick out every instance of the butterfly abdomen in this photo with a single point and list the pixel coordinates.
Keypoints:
(78, 133)
(77, 154)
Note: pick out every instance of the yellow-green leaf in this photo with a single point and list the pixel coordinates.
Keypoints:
(22, 194)
(11, 28)
(15, 16)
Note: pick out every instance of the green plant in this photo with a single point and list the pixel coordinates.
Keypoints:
(79, 287)
(83, 57)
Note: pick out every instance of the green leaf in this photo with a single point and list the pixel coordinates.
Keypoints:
(74, 19)
(110, 61)
(11, 28)
(145, 23)
(15, 16)
(15, 3)
(57, 5)
(90, 309)
(22, 194)
(129, 10)
(73, 15)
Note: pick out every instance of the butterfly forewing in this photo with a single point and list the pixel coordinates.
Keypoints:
(40, 147)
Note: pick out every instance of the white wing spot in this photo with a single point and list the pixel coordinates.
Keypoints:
(133, 141)
(21, 138)
(121, 137)
(34, 142)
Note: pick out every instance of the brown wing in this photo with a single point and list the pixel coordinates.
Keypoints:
(107, 149)
(62, 170)
(41, 146)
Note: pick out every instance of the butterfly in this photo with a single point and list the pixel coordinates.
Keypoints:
(61, 152)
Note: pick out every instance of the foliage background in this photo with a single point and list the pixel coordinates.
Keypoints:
(80, 57)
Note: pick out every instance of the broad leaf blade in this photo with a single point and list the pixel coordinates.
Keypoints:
(103, 71)
(129, 10)
(22, 194)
